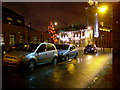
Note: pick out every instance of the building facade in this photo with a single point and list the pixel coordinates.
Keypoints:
(84, 37)
(80, 37)
(15, 31)
(104, 39)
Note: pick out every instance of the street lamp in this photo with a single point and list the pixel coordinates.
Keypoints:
(103, 9)
(98, 10)
(88, 27)
(55, 23)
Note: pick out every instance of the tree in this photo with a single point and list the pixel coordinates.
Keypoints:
(52, 32)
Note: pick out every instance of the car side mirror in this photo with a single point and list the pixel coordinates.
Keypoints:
(70, 49)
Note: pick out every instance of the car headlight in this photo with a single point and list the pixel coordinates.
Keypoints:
(4, 52)
(61, 53)
(92, 48)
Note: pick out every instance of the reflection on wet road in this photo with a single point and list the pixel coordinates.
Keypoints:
(66, 74)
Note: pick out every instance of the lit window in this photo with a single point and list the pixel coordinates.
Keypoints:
(9, 22)
(8, 18)
(12, 39)
(22, 38)
(35, 39)
(19, 21)
(2, 39)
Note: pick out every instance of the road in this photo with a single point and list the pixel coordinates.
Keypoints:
(75, 73)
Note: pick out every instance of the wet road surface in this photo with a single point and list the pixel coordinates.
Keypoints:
(75, 73)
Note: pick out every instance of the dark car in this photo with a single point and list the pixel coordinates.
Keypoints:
(15, 46)
(4, 50)
(66, 51)
(90, 49)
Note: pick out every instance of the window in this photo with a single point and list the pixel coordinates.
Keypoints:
(2, 41)
(41, 35)
(35, 39)
(96, 42)
(99, 42)
(22, 38)
(19, 21)
(72, 48)
(50, 47)
(77, 35)
(9, 20)
(107, 42)
(42, 48)
(83, 33)
(62, 47)
(90, 36)
(12, 39)
(27, 47)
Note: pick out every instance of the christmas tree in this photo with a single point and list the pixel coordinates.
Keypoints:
(52, 32)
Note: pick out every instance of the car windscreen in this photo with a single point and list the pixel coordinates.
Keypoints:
(18, 44)
(27, 47)
(89, 45)
(63, 47)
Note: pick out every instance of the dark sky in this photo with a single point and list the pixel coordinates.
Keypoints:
(41, 13)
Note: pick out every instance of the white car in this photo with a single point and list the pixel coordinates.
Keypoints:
(30, 55)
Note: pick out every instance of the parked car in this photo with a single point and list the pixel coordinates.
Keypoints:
(15, 46)
(30, 55)
(4, 50)
(66, 51)
(90, 49)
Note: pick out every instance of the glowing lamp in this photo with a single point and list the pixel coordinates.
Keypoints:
(103, 9)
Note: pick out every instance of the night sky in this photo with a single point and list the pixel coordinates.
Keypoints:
(64, 13)
(41, 13)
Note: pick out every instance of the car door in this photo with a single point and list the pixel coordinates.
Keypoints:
(72, 51)
(50, 52)
(41, 54)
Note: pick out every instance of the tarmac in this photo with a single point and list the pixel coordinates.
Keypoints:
(104, 78)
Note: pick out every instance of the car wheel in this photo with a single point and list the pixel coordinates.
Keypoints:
(31, 65)
(55, 61)
(66, 58)
(85, 51)
(76, 56)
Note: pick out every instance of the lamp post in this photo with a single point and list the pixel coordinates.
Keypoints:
(102, 10)
(101, 42)
(98, 10)
(94, 8)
